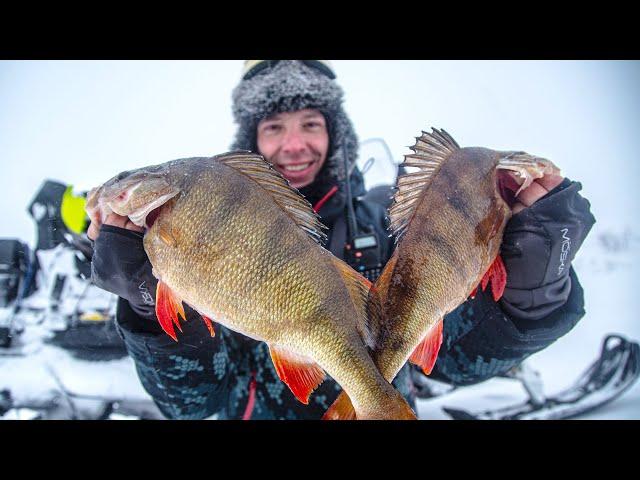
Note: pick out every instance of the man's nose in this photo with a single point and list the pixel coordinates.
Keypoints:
(293, 142)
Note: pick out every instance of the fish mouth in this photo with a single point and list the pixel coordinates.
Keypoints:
(507, 187)
(517, 170)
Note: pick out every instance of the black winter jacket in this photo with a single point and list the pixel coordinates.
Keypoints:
(231, 376)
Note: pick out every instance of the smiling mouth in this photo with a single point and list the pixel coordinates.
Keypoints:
(296, 168)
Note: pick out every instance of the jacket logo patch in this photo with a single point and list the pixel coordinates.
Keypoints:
(146, 295)
(564, 250)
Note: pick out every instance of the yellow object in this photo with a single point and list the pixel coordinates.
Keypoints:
(249, 64)
(72, 211)
(92, 317)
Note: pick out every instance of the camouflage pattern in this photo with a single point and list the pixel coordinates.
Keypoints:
(212, 377)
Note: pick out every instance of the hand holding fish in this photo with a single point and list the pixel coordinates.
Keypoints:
(538, 189)
(448, 219)
(112, 219)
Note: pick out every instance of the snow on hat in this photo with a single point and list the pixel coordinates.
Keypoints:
(287, 86)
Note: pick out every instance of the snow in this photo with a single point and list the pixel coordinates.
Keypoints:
(45, 373)
(82, 122)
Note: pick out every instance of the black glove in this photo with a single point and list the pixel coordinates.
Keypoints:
(121, 266)
(538, 246)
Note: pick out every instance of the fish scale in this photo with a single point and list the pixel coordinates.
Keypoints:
(240, 246)
(448, 220)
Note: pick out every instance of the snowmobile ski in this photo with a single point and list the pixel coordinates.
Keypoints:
(616, 369)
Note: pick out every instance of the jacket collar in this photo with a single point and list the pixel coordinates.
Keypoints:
(335, 206)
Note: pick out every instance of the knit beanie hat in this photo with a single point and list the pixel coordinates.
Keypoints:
(287, 86)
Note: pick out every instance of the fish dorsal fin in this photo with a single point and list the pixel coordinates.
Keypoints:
(430, 151)
(288, 198)
(365, 300)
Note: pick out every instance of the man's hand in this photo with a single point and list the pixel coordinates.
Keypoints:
(112, 219)
(120, 265)
(540, 241)
(534, 192)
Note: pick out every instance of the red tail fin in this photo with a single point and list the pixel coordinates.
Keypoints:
(341, 409)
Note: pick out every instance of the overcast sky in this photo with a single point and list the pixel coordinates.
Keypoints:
(81, 122)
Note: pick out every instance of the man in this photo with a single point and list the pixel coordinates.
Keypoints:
(291, 112)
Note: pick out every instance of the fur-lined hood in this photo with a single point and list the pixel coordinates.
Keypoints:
(289, 86)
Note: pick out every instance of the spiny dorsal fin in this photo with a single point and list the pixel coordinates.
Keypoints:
(430, 151)
(288, 198)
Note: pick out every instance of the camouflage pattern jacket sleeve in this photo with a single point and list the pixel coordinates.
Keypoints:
(543, 299)
(188, 379)
(482, 341)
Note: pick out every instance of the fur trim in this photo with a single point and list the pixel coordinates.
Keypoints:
(290, 85)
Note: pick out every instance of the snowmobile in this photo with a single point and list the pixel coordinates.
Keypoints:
(51, 286)
(612, 373)
(50, 311)
(14, 266)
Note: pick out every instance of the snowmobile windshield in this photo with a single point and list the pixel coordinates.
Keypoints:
(376, 163)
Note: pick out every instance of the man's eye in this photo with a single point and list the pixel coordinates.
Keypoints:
(313, 125)
(271, 128)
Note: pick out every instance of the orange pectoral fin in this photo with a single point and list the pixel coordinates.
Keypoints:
(426, 353)
(168, 306)
(209, 325)
(301, 374)
(497, 275)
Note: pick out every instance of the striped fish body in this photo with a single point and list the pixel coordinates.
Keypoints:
(448, 218)
(453, 237)
(236, 243)
(224, 247)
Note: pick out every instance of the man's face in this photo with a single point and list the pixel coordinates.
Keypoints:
(296, 143)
